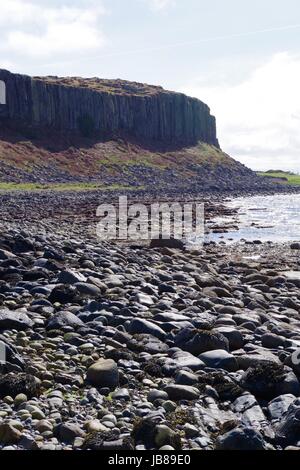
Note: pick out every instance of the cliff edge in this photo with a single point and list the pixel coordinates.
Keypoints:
(95, 106)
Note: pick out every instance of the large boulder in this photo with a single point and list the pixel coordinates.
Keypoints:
(141, 326)
(14, 320)
(241, 438)
(13, 384)
(9, 434)
(182, 392)
(62, 319)
(199, 341)
(9, 357)
(70, 277)
(219, 359)
(268, 381)
(104, 373)
(288, 431)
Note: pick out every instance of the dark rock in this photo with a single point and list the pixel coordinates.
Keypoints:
(199, 341)
(288, 431)
(150, 432)
(147, 343)
(241, 438)
(278, 407)
(184, 377)
(107, 441)
(219, 359)
(88, 290)
(234, 337)
(6, 255)
(10, 320)
(269, 381)
(13, 384)
(167, 243)
(182, 392)
(226, 388)
(112, 107)
(157, 395)
(63, 294)
(70, 277)
(295, 246)
(61, 319)
(140, 326)
(272, 341)
(67, 432)
(11, 359)
(104, 373)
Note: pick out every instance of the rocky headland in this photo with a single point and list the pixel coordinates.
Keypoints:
(122, 346)
(114, 133)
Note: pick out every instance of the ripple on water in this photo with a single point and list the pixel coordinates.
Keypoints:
(266, 218)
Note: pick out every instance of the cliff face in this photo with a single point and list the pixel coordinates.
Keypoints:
(113, 107)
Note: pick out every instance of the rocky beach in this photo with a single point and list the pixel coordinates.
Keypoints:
(119, 346)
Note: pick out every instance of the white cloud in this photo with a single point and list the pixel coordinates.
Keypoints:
(258, 119)
(37, 31)
(159, 4)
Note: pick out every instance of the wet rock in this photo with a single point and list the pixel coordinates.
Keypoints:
(13, 384)
(67, 432)
(185, 359)
(234, 337)
(166, 436)
(222, 383)
(62, 319)
(9, 434)
(140, 326)
(70, 277)
(199, 341)
(6, 255)
(295, 246)
(256, 358)
(63, 294)
(272, 341)
(288, 431)
(269, 381)
(121, 394)
(157, 395)
(167, 243)
(182, 392)
(279, 406)
(147, 343)
(88, 290)
(104, 373)
(12, 360)
(14, 320)
(219, 359)
(144, 299)
(108, 440)
(241, 438)
(184, 377)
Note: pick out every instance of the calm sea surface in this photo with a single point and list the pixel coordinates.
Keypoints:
(265, 218)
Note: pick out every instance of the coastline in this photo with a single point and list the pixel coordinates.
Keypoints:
(129, 347)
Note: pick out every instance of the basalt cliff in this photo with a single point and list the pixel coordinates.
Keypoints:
(107, 107)
(111, 133)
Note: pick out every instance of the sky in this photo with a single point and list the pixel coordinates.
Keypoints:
(242, 58)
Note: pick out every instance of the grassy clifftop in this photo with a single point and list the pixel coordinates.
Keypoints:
(285, 177)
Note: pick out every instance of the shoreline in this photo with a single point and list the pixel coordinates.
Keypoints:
(134, 348)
